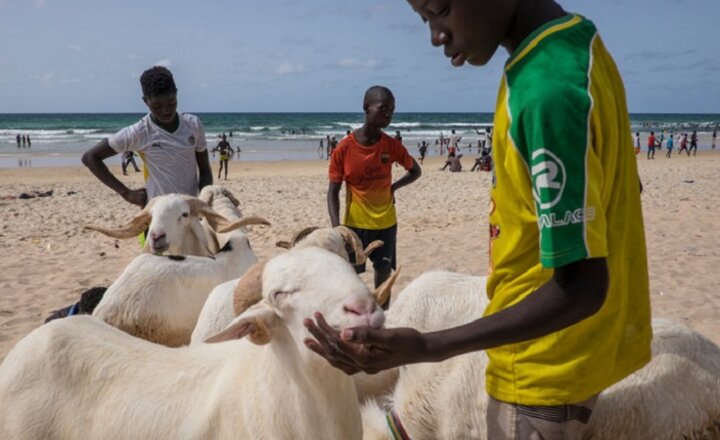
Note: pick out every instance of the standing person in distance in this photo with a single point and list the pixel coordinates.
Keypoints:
(363, 161)
(172, 145)
(225, 150)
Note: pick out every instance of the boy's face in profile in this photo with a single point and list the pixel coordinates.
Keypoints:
(379, 111)
(469, 30)
(162, 107)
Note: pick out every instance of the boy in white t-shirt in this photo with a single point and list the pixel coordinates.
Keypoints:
(172, 145)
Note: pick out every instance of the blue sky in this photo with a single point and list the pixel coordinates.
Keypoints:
(318, 55)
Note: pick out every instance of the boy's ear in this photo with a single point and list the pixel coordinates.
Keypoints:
(256, 323)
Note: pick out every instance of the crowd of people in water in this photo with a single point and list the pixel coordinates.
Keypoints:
(682, 141)
(23, 141)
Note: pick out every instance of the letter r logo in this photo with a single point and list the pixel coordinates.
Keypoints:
(549, 177)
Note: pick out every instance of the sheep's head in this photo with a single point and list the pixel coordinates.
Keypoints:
(298, 283)
(211, 192)
(172, 222)
(333, 239)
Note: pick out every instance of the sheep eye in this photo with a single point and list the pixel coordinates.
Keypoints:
(185, 214)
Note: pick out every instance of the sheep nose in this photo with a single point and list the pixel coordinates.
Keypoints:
(157, 236)
(360, 308)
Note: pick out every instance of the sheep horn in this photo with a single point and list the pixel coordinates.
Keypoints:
(382, 293)
(249, 289)
(199, 207)
(226, 192)
(354, 241)
(302, 234)
(135, 226)
(373, 246)
(245, 221)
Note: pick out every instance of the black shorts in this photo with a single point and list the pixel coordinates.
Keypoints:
(383, 257)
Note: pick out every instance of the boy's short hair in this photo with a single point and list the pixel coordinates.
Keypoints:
(157, 81)
(378, 92)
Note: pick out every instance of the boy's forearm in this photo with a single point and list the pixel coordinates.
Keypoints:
(333, 202)
(556, 305)
(412, 175)
(94, 160)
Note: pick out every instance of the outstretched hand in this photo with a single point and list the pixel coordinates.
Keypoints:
(365, 348)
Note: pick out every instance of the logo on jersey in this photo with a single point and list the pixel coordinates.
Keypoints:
(548, 178)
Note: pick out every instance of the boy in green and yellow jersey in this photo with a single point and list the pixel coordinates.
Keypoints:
(569, 311)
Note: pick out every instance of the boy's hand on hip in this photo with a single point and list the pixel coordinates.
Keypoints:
(137, 197)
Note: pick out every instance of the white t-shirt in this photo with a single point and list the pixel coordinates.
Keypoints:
(169, 158)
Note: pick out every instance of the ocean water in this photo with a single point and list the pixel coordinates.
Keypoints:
(60, 139)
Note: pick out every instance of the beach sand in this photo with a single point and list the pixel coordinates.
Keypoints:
(47, 259)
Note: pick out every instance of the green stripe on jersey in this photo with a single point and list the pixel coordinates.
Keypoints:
(549, 105)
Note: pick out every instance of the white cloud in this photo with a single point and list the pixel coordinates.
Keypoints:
(46, 79)
(356, 63)
(288, 68)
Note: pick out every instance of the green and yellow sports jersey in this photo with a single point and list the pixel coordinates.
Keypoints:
(566, 188)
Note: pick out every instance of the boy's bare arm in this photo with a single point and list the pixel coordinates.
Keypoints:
(575, 292)
(94, 160)
(412, 175)
(333, 202)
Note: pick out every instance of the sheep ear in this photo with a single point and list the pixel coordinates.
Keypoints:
(134, 227)
(256, 323)
(248, 290)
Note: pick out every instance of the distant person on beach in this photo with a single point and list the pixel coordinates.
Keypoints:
(129, 158)
(484, 162)
(321, 149)
(453, 162)
(327, 143)
(398, 136)
(24, 141)
(423, 151)
(364, 161)
(693, 143)
(223, 147)
(669, 145)
(684, 145)
(454, 141)
(17, 139)
(651, 146)
(29, 143)
(637, 143)
(172, 145)
(714, 137)
(569, 310)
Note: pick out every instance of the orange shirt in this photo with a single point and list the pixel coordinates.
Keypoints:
(367, 172)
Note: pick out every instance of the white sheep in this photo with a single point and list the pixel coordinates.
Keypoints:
(222, 201)
(80, 378)
(232, 298)
(436, 400)
(173, 225)
(159, 298)
(676, 395)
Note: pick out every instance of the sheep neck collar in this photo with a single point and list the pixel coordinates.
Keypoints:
(396, 427)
